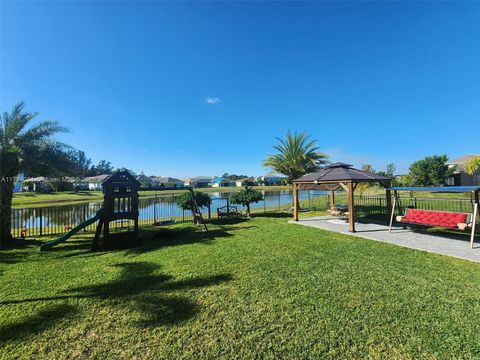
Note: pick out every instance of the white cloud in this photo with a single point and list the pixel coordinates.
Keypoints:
(212, 100)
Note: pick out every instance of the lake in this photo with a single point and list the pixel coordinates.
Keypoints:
(57, 219)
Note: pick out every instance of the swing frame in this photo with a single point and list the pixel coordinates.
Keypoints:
(474, 199)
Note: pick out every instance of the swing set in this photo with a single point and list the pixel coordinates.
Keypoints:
(442, 219)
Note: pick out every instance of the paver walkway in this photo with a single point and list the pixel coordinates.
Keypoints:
(437, 243)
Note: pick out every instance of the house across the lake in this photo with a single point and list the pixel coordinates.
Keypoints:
(161, 181)
(460, 177)
(145, 181)
(94, 182)
(272, 178)
(34, 184)
(198, 181)
(222, 182)
(250, 181)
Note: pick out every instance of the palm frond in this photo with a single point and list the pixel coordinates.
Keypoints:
(41, 132)
(31, 147)
(297, 154)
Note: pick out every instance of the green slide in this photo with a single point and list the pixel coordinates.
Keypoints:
(72, 232)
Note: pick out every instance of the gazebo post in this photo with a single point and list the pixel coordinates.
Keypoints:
(351, 208)
(388, 194)
(474, 219)
(332, 199)
(295, 202)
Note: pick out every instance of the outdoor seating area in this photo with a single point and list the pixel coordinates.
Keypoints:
(434, 218)
(344, 176)
(335, 177)
(341, 211)
(438, 243)
(226, 211)
(445, 219)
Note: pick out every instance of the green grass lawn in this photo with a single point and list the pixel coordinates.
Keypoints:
(378, 190)
(259, 288)
(32, 199)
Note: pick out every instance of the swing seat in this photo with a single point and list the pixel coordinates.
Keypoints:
(450, 220)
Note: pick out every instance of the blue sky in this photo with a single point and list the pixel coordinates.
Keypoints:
(203, 88)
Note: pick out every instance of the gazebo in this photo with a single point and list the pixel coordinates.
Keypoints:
(339, 176)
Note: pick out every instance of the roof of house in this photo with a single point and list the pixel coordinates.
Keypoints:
(143, 178)
(221, 179)
(339, 172)
(250, 178)
(96, 179)
(166, 179)
(274, 174)
(201, 178)
(35, 179)
(462, 160)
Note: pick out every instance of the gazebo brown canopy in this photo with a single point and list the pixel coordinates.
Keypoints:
(335, 177)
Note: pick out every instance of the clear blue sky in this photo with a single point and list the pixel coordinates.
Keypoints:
(203, 88)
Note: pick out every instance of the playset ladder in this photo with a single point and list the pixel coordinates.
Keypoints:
(197, 215)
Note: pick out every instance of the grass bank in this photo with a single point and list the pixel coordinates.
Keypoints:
(31, 199)
(259, 288)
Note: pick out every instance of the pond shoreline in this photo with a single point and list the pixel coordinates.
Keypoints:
(69, 197)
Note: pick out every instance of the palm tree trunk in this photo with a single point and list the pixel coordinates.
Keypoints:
(6, 194)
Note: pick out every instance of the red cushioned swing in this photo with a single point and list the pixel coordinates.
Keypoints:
(445, 219)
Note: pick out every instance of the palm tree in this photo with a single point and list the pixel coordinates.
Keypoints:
(472, 165)
(297, 155)
(28, 149)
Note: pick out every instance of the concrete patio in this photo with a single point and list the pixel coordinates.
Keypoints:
(437, 243)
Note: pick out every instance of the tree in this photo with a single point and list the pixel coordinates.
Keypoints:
(472, 165)
(361, 187)
(390, 170)
(185, 202)
(403, 180)
(81, 162)
(368, 168)
(246, 197)
(104, 167)
(233, 177)
(431, 171)
(28, 149)
(125, 169)
(297, 156)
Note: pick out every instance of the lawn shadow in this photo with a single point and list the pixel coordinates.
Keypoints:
(19, 251)
(228, 221)
(156, 238)
(34, 324)
(276, 215)
(152, 238)
(445, 233)
(139, 288)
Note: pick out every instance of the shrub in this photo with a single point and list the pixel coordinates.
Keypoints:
(184, 201)
(47, 187)
(246, 197)
(65, 186)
